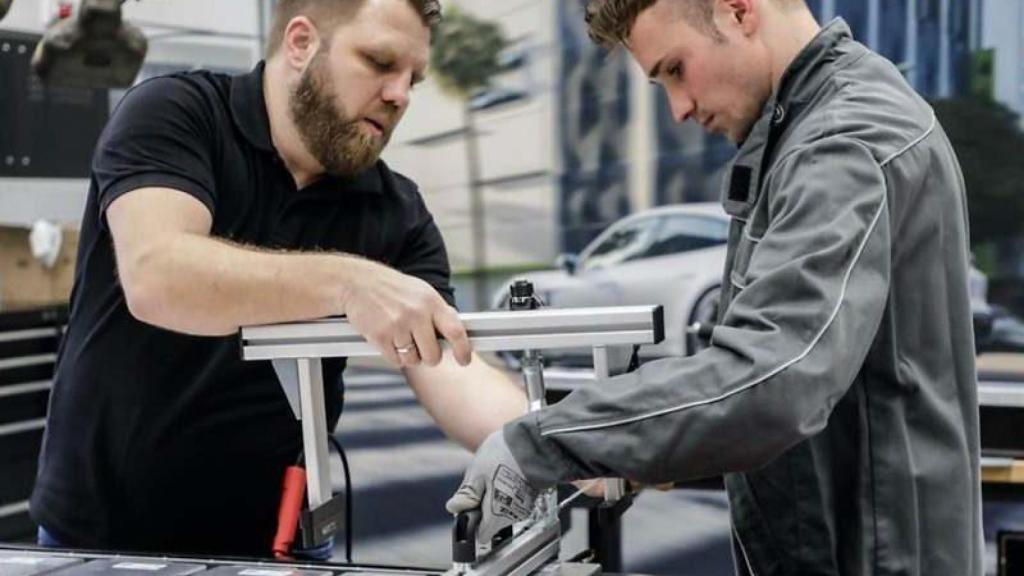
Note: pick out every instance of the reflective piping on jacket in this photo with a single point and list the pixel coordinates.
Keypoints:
(915, 142)
(814, 342)
(746, 560)
(736, 280)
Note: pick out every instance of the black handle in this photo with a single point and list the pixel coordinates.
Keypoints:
(464, 535)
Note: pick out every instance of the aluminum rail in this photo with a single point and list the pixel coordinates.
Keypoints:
(549, 328)
(1001, 394)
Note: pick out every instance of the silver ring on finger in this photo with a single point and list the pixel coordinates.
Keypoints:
(405, 349)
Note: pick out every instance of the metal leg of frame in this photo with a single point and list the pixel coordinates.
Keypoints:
(604, 527)
(314, 431)
(605, 521)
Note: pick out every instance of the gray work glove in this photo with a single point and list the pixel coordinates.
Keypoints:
(495, 479)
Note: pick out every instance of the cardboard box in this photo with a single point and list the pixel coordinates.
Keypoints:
(24, 280)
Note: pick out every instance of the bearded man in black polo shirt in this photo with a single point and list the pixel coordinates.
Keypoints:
(218, 202)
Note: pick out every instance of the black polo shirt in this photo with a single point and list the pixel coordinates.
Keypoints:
(161, 441)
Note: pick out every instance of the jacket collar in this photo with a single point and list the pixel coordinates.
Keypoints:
(811, 67)
(806, 74)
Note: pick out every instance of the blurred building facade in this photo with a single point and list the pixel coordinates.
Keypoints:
(574, 137)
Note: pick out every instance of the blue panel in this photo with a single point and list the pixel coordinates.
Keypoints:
(815, 6)
(892, 34)
(855, 12)
(593, 115)
(926, 71)
(960, 35)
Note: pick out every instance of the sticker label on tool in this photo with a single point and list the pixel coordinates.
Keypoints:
(138, 566)
(513, 497)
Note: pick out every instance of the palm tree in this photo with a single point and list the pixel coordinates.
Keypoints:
(465, 59)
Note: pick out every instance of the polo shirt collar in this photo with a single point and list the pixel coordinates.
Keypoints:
(249, 108)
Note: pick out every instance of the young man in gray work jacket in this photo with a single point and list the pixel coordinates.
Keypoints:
(838, 394)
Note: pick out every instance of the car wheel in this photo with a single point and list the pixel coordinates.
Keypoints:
(705, 312)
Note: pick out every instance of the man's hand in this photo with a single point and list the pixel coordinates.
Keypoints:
(637, 486)
(402, 316)
(494, 483)
(595, 488)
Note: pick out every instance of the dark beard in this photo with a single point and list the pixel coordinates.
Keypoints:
(336, 141)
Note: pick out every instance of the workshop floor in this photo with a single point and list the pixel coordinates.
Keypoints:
(403, 470)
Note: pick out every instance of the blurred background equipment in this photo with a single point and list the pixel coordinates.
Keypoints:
(4, 6)
(94, 49)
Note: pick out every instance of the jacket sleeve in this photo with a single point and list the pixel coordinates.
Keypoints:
(788, 346)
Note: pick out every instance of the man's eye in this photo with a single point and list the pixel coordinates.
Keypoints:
(676, 71)
(381, 65)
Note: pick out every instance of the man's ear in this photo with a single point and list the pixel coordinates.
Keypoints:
(301, 42)
(741, 15)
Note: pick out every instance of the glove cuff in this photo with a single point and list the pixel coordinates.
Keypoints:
(539, 459)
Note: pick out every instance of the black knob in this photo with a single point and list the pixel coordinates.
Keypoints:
(522, 295)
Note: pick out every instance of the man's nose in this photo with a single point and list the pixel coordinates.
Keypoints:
(396, 90)
(682, 106)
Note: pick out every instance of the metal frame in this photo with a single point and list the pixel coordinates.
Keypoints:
(550, 328)
(1001, 394)
(297, 348)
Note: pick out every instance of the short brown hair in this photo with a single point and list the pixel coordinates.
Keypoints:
(327, 14)
(609, 22)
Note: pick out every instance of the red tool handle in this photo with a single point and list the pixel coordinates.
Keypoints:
(292, 494)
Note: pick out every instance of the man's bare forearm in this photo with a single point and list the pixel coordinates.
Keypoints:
(176, 276)
(467, 402)
(207, 286)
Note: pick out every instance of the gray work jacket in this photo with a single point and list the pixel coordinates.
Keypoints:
(838, 395)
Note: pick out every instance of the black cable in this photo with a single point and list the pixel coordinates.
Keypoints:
(348, 496)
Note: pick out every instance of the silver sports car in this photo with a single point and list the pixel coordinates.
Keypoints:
(672, 255)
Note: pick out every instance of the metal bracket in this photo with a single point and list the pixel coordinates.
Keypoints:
(523, 554)
(288, 375)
